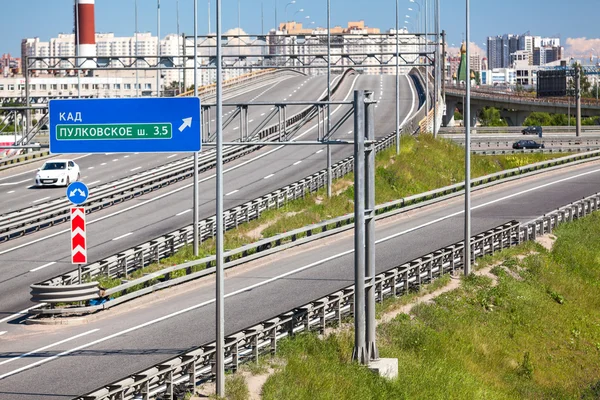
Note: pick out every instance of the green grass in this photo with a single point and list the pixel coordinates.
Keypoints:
(510, 341)
(424, 164)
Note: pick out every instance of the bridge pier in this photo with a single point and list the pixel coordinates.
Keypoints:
(448, 119)
(514, 117)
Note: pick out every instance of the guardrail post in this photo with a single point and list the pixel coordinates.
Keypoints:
(191, 373)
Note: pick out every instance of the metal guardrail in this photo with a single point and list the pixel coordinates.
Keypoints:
(194, 367)
(496, 152)
(20, 159)
(53, 212)
(61, 294)
(154, 250)
(491, 130)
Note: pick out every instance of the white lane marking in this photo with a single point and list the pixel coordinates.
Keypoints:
(103, 163)
(42, 199)
(136, 153)
(236, 128)
(93, 183)
(269, 176)
(262, 114)
(349, 132)
(122, 236)
(2, 333)
(46, 348)
(319, 151)
(258, 157)
(154, 321)
(34, 170)
(135, 169)
(43, 266)
(116, 159)
(183, 212)
(14, 183)
(297, 162)
(251, 121)
(12, 191)
(125, 156)
(172, 155)
(21, 313)
(230, 193)
(90, 167)
(412, 91)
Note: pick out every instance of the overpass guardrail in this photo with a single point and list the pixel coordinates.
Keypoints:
(184, 372)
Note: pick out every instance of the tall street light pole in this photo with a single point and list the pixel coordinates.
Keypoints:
(397, 84)
(467, 119)
(437, 67)
(329, 173)
(158, 52)
(220, 316)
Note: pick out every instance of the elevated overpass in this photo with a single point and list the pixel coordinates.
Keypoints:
(514, 107)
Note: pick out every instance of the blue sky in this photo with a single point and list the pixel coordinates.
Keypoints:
(47, 18)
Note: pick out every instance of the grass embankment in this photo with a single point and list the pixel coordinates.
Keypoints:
(424, 164)
(534, 335)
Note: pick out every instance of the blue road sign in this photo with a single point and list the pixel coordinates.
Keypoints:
(145, 125)
(77, 193)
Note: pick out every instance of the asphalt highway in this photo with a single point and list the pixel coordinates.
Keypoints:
(45, 254)
(62, 362)
(16, 184)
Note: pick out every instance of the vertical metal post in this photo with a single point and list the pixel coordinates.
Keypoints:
(360, 352)
(397, 82)
(27, 123)
(158, 51)
(196, 213)
(137, 72)
(578, 100)
(426, 68)
(329, 174)
(179, 52)
(79, 278)
(369, 171)
(437, 66)
(220, 317)
(444, 66)
(76, 50)
(467, 119)
(239, 16)
(208, 16)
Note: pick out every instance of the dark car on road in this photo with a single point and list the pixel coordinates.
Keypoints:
(532, 130)
(528, 144)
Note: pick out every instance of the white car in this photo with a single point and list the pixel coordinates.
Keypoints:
(57, 173)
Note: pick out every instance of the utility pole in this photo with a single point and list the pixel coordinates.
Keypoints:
(467, 120)
(578, 100)
(397, 83)
(158, 72)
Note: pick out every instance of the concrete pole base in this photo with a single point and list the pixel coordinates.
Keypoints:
(385, 367)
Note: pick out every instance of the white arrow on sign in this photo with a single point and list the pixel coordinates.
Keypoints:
(76, 191)
(187, 123)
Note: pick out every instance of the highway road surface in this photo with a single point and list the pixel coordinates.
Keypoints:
(45, 254)
(65, 361)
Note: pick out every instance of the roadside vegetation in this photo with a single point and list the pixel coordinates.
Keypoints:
(424, 164)
(531, 332)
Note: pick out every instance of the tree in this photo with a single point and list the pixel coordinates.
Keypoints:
(490, 116)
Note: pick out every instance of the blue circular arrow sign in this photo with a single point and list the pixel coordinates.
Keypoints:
(77, 193)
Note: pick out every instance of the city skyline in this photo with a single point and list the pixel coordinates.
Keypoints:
(47, 20)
